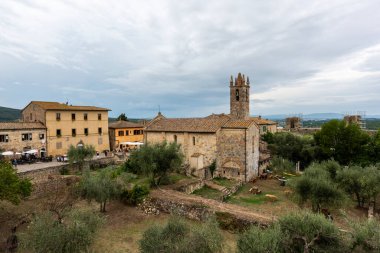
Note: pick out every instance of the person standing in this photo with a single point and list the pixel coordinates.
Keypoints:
(14, 163)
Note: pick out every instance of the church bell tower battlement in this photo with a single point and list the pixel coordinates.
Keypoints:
(239, 97)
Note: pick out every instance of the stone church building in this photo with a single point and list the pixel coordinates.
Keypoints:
(232, 140)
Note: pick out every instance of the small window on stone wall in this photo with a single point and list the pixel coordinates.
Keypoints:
(237, 95)
(193, 140)
(4, 138)
(175, 138)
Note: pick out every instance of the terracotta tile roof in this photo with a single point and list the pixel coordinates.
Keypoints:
(21, 125)
(64, 107)
(234, 123)
(124, 124)
(261, 121)
(210, 124)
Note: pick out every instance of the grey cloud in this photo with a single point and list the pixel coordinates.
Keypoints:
(133, 56)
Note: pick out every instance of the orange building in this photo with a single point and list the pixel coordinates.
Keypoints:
(123, 132)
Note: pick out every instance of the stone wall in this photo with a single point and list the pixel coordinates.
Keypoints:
(33, 113)
(190, 187)
(44, 173)
(53, 184)
(227, 221)
(205, 143)
(16, 143)
(230, 162)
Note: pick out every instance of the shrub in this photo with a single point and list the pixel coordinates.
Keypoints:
(135, 195)
(258, 240)
(366, 236)
(75, 234)
(12, 188)
(179, 237)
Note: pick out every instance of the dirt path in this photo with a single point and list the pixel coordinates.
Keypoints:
(214, 205)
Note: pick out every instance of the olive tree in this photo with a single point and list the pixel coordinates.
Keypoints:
(100, 186)
(80, 154)
(361, 182)
(308, 232)
(155, 160)
(316, 187)
(366, 236)
(46, 235)
(178, 237)
(258, 240)
(295, 232)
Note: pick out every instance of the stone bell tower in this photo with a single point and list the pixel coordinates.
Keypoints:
(239, 97)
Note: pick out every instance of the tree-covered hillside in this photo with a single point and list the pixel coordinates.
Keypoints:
(9, 114)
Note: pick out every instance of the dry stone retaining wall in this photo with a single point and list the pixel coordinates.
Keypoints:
(42, 174)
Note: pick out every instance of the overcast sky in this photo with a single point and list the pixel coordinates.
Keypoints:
(131, 56)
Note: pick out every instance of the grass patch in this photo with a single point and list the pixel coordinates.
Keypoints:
(257, 200)
(175, 177)
(228, 183)
(209, 193)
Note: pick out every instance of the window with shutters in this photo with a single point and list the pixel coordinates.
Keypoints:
(4, 138)
(26, 137)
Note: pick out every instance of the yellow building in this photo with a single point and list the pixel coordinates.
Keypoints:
(69, 125)
(122, 132)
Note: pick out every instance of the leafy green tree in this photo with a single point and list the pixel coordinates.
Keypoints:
(155, 160)
(12, 188)
(122, 117)
(316, 187)
(268, 137)
(100, 186)
(366, 236)
(293, 147)
(212, 168)
(258, 240)
(280, 165)
(346, 143)
(360, 182)
(332, 167)
(80, 154)
(178, 237)
(295, 232)
(47, 235)
(307, 232)
(374, 148)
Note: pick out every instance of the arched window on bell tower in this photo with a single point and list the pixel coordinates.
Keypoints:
(237, 94)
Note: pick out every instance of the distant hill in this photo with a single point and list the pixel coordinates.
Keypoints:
(315, 116)
(9, 114)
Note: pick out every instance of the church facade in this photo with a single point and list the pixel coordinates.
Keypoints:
(231, 140)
